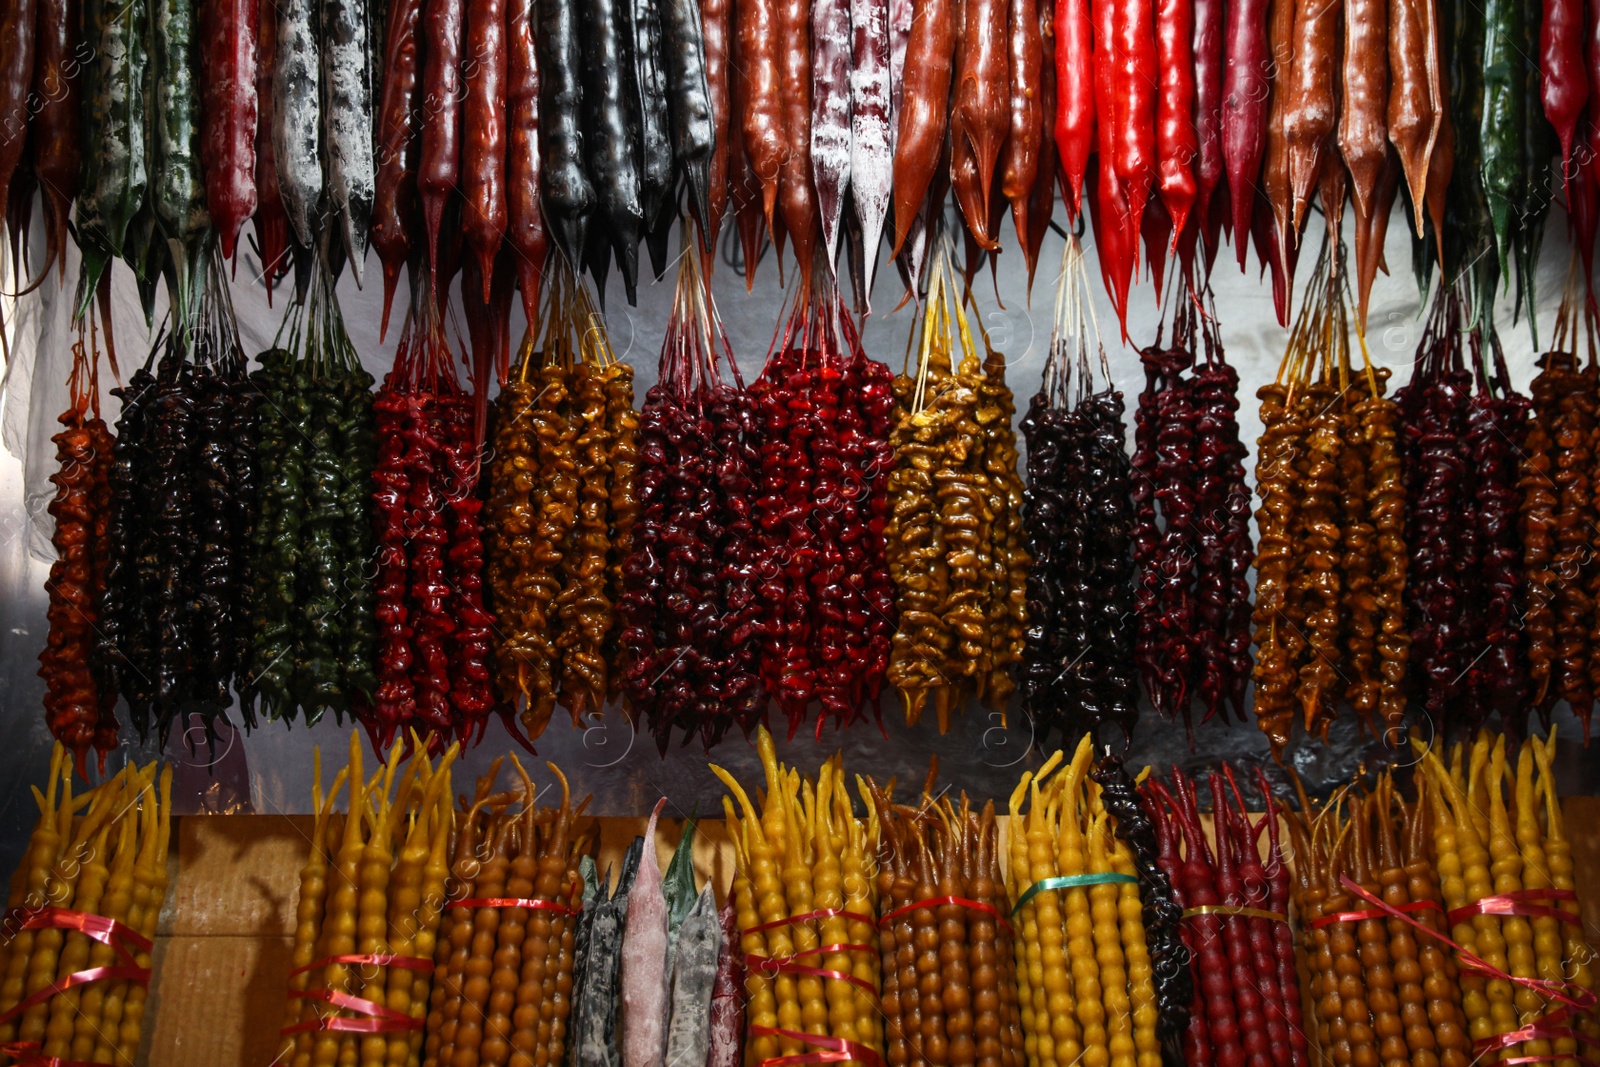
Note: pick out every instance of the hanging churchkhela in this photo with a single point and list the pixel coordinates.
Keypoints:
(560, 513)
(954, 538)
(1077, 665)
(823, 416)
(1193, 594)
(1556, 506)
(313, 635)
(1330, 562)
(78, 709)
(1462, 432)
(434, 635)
(689, 610)
(173, 632)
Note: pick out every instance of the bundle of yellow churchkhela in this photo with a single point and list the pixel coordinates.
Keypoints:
(1084, 977)
(1506, 878)
(75, 942)
(806, 907)
(945, 938)
(1377, 981)
(370, 893)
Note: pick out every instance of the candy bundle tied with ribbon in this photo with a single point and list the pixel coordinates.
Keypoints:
(1445, 927)
(1085, 978)
(421, 927)
(945, 931)
(806, 905)
(1234, 901)
(75, 940)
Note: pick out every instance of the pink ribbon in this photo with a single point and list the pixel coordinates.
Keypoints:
(375, 959)
(514, 902)
(380, 1020)
(1363, 916)
(31, 1054)
(773, 965)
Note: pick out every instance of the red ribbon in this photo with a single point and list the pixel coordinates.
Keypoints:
(1580, 998)
(381, 1020)
(1519, 903)
(1363, 916)
(514, 902)
(98, 927)
(376, 959)
(934, 902)
(772, 965)
(826, 913)
(836, 1049)
(109, 932)
(1552, 1027)
(31, 1054)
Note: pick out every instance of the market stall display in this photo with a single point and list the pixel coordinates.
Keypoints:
(473, 137)
(1432, 911)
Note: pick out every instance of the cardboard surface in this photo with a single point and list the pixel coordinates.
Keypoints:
(238, 875)
(218, 1000)
(226, 938)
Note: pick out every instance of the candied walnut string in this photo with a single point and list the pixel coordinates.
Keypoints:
(181, 489)
(1331, 559)
(1191, 537)
(818, 560)
(954, 530)
(688, 602)
(77, 707)
(1463, 428)
(1077, 671)
(560, 514)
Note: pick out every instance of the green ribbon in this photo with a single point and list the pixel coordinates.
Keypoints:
(1070, 881)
